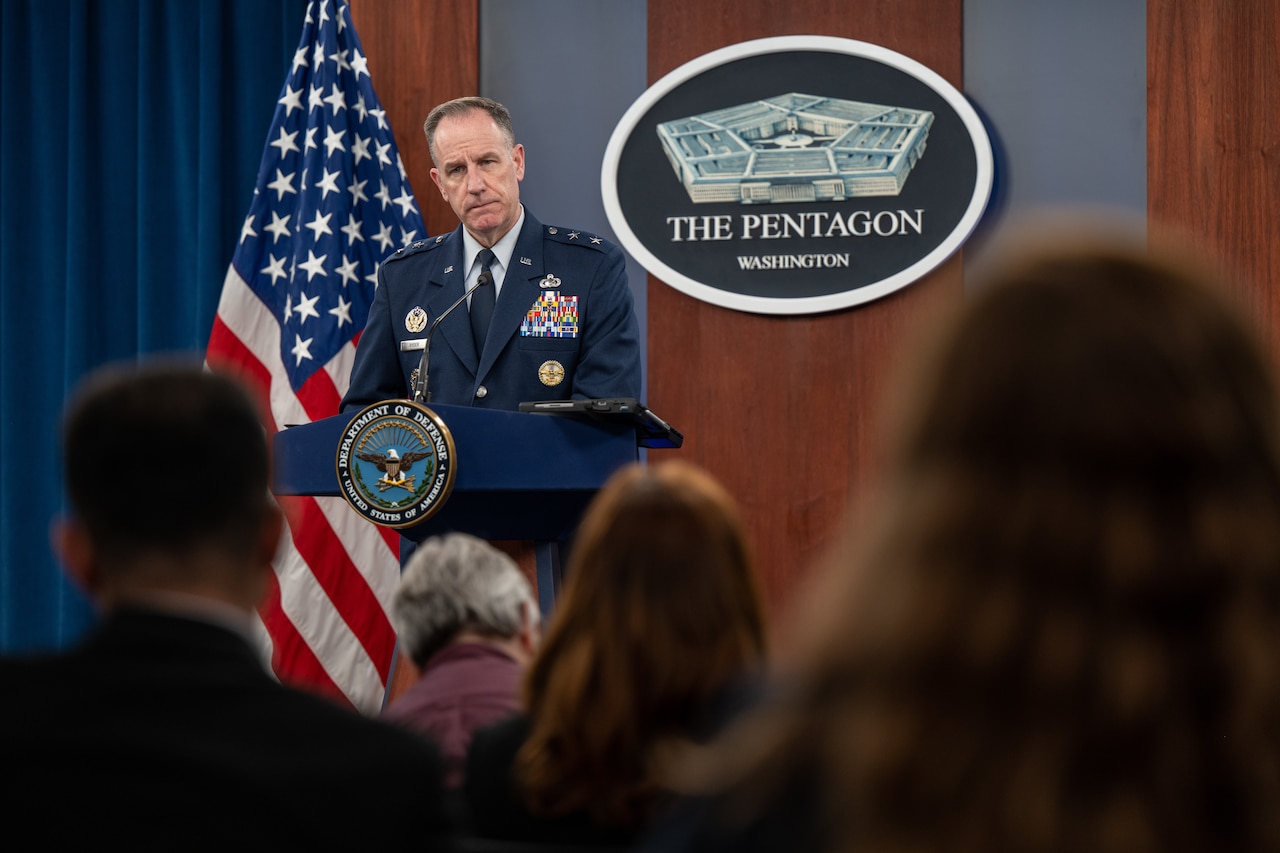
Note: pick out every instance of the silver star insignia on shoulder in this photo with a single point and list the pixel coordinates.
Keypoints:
(597, 240)
(573, 235)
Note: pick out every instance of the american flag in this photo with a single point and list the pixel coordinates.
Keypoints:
(331, 200)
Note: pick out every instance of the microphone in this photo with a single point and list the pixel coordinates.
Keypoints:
(420, 388)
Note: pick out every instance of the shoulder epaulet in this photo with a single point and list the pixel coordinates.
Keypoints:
(414, 248)
(577, 238)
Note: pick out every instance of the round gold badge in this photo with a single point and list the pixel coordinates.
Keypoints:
(551, 373)
(416, 320)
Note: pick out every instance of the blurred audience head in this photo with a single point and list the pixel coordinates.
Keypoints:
(1061, 628)
(660, 616)
(455, 587)
(167, 470)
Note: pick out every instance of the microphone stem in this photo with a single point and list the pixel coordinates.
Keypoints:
(422, 387)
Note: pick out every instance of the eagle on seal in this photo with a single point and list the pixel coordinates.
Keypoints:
(391, 462)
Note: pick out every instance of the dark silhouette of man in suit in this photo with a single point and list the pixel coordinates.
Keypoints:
(163, 729)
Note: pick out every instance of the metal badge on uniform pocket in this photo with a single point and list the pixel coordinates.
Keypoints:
(551, 373)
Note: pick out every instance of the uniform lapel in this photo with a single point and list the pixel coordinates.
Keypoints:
(519, 291)
(448, 279)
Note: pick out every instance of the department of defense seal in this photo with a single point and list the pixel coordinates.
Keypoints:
(551, 372)
(395, 463)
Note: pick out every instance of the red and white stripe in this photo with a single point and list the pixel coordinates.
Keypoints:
(325, 615)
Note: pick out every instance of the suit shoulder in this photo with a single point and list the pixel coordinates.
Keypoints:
(348, 729)
(577, 237)
(417, 247)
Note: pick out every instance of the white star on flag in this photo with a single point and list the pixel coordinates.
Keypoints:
(302, 349)
(342, 312)
(320, 225)
(313, 265)
(348, 272)
(283, 184)
(292, 309)
(279, 226)
(292, 100)
(360, 149)
(383, 237)
(352, 229)
(285, 143)
(275, 269)
(306, 307)
(333, 141)
(329, 183)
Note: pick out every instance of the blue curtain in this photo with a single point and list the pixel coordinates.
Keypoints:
(130, 137)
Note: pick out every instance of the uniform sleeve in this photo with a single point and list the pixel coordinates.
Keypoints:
(376, 373)
(609, 360)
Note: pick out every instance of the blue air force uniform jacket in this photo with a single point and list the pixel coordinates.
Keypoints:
(563, 326)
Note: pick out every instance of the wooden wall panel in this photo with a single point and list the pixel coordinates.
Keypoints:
(420, 54)
(1213, 138)
(783, 410)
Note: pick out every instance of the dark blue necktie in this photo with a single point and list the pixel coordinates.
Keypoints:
(482, 302)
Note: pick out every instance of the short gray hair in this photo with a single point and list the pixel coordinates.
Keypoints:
(460, 107)
(457, 581)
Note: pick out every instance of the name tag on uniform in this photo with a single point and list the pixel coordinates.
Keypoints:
(411, 346)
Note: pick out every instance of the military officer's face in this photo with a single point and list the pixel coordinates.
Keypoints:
(479, 174)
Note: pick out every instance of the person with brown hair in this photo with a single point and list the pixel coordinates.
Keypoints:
(1060, 631)
(659, 621)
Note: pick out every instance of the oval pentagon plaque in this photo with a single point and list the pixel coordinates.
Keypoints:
(796, 175)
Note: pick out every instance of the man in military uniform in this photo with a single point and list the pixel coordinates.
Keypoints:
(556, 322)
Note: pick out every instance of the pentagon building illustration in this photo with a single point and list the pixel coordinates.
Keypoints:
(795, 147)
